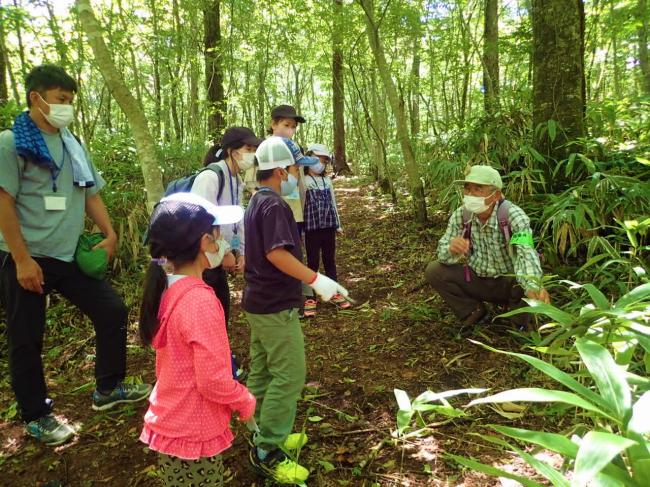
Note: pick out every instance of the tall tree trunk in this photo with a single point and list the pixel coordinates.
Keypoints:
(155, 52)
(558, 73)
(414, 91)
(642, 30)
(213, 68)
(410, 164)
(144, 143)
(491, 57)
(338, 93)
(4, 92)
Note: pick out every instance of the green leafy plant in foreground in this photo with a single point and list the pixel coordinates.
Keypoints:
(615, 450)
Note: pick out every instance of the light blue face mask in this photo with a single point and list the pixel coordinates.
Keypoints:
(318, 168)
(287, 187)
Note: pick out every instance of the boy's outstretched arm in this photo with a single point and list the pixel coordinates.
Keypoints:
(287, 263)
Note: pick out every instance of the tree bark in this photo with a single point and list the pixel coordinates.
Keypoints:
(491, 57)
(4, 92)
(213, 68)
(414, 92)
(642, 30)
(338, 93)
(558, 73)
(410, 164)
(146, 148)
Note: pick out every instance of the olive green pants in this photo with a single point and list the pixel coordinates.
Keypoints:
(176, 472)
(277, 373)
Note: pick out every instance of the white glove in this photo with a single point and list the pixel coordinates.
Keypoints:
(326, 288)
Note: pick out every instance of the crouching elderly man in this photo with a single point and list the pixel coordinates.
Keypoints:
(486, 254)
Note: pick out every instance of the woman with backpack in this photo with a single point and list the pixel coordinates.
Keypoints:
(222, 185)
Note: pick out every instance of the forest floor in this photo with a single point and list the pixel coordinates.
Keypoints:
(397, 335)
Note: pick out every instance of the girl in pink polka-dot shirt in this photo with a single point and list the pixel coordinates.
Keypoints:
(195, 395)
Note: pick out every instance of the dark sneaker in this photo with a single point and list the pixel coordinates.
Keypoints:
(278, 467)
(123, 393)
(49, 430)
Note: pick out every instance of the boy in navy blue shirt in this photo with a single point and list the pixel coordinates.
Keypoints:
(274, 272)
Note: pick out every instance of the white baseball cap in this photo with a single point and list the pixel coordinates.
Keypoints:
(272, 153)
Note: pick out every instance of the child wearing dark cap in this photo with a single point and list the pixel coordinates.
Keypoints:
(224, 186)
(274, 273)
(195, 394)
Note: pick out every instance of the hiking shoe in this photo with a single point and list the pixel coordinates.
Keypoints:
(479, 315)
(310, 308)
(295, 441)
(339, 300)
(123, 393)
(278, 467)
(49, 430)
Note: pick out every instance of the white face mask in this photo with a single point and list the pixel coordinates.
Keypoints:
(475, 204)
(60, 115)
(247, 161)
(216, 258)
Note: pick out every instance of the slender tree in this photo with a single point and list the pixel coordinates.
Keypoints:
(338, 93)
(144, 142)
(4, 93)
(558, 73)
(491, 56)
(642, 31)
(213, 67)
(411, 166)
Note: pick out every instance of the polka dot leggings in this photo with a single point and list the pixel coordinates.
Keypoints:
(176, 472)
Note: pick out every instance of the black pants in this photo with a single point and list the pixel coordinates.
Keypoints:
(25, 311)
(321, 241)
(217, 279)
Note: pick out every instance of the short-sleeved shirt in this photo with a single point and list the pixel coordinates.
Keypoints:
(46, 233)
(269, 224)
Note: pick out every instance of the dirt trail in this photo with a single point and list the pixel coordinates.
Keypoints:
(396, 336)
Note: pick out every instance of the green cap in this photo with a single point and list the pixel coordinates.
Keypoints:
(482, 175)
(93, 263)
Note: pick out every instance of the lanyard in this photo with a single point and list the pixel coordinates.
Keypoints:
(234, 198)
(56, 170)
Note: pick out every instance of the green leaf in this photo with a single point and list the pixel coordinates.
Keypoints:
(429, 396)
(609, 377)
(315, 419)
(551, 441)
(540, 308)
(555, 373)
(640, 420)
(495, 472)
(637, 294)
(552, 129)
(534, 394)
(596, 451)
(327, 466)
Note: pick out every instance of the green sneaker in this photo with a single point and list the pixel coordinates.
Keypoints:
(295, 441)
(278, 467)
(49, 430)
(123, 393)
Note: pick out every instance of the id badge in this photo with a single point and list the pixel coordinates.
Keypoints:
(234, 242)
(54, 202)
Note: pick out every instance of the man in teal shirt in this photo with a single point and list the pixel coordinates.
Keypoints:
(476, 263)
(47, 186)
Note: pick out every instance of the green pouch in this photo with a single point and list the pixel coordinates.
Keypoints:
(93, 263)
